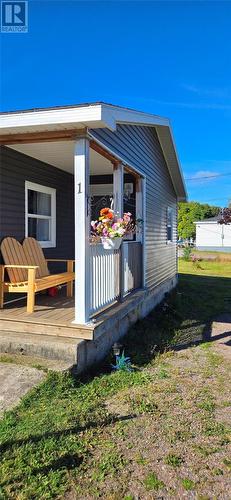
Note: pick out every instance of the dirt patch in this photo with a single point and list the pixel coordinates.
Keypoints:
(221, 335)
(15, 381)
(170, 437)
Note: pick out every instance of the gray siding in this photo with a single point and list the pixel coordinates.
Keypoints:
(15, 169)
(140, 147)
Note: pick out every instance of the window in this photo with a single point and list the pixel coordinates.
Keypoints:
(40, 212)
(169, 224)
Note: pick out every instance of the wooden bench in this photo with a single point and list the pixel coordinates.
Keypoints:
(28, 272)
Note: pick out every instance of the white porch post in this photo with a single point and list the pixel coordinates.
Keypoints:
(118, 198)
(139, 207)
(140, 214)
(118, 189)
(82, 230)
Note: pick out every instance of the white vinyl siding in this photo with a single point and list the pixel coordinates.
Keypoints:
(213, 235)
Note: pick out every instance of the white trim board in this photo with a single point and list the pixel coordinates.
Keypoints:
(106, 115)
(52, 218)
(97, 115)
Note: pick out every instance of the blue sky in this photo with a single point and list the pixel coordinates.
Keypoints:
(168, 58)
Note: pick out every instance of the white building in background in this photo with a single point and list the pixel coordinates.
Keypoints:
(210, 235)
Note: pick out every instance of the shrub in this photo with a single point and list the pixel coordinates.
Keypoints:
(187, 253)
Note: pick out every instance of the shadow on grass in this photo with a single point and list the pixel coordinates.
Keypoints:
(76, 429)
(66, 462)
(182, 320)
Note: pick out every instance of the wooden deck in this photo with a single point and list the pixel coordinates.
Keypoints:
(52, 316)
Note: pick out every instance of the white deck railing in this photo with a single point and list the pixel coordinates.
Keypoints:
(114, 273)
(132, 266)
(105, 277)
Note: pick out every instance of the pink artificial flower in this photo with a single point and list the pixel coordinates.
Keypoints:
(127, 217)
(106, 220)
(121, 231)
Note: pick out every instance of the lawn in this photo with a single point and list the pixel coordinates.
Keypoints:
(159, 431)
(206, 268)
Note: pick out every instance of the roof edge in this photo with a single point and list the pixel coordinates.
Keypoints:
(98, 115)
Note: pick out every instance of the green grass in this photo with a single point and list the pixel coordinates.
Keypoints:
(173, 460)
(188, 313)
(64, 436)
(141, 460)
(227, 462)
(53, 431)
(207, 268)
(152, 482)
(111, 463)
(188, 484)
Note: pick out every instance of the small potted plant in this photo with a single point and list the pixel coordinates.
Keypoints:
(111, 229)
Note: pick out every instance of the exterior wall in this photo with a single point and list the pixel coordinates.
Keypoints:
(115, 327)
(140, 147)
(81, 354)
(15, 169)
(213, 236)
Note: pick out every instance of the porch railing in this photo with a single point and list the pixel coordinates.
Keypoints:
(105, 277)
(132, 266)
(114, 273)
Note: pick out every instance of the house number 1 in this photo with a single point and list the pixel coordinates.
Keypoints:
(79, 185)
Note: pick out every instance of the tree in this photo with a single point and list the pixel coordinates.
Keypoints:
(225, 217)
(190, 212)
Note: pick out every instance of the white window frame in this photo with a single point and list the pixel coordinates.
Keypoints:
(171, 210)
(46, 190)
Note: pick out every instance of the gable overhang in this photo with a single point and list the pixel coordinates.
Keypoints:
(64, 123)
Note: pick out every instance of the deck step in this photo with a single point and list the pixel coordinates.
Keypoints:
(43, 346)
(26, 325)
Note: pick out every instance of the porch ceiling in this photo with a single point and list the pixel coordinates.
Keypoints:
(60, 154)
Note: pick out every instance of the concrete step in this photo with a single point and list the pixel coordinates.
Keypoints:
(42, 346)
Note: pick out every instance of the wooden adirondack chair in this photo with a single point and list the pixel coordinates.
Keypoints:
(28, 272)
